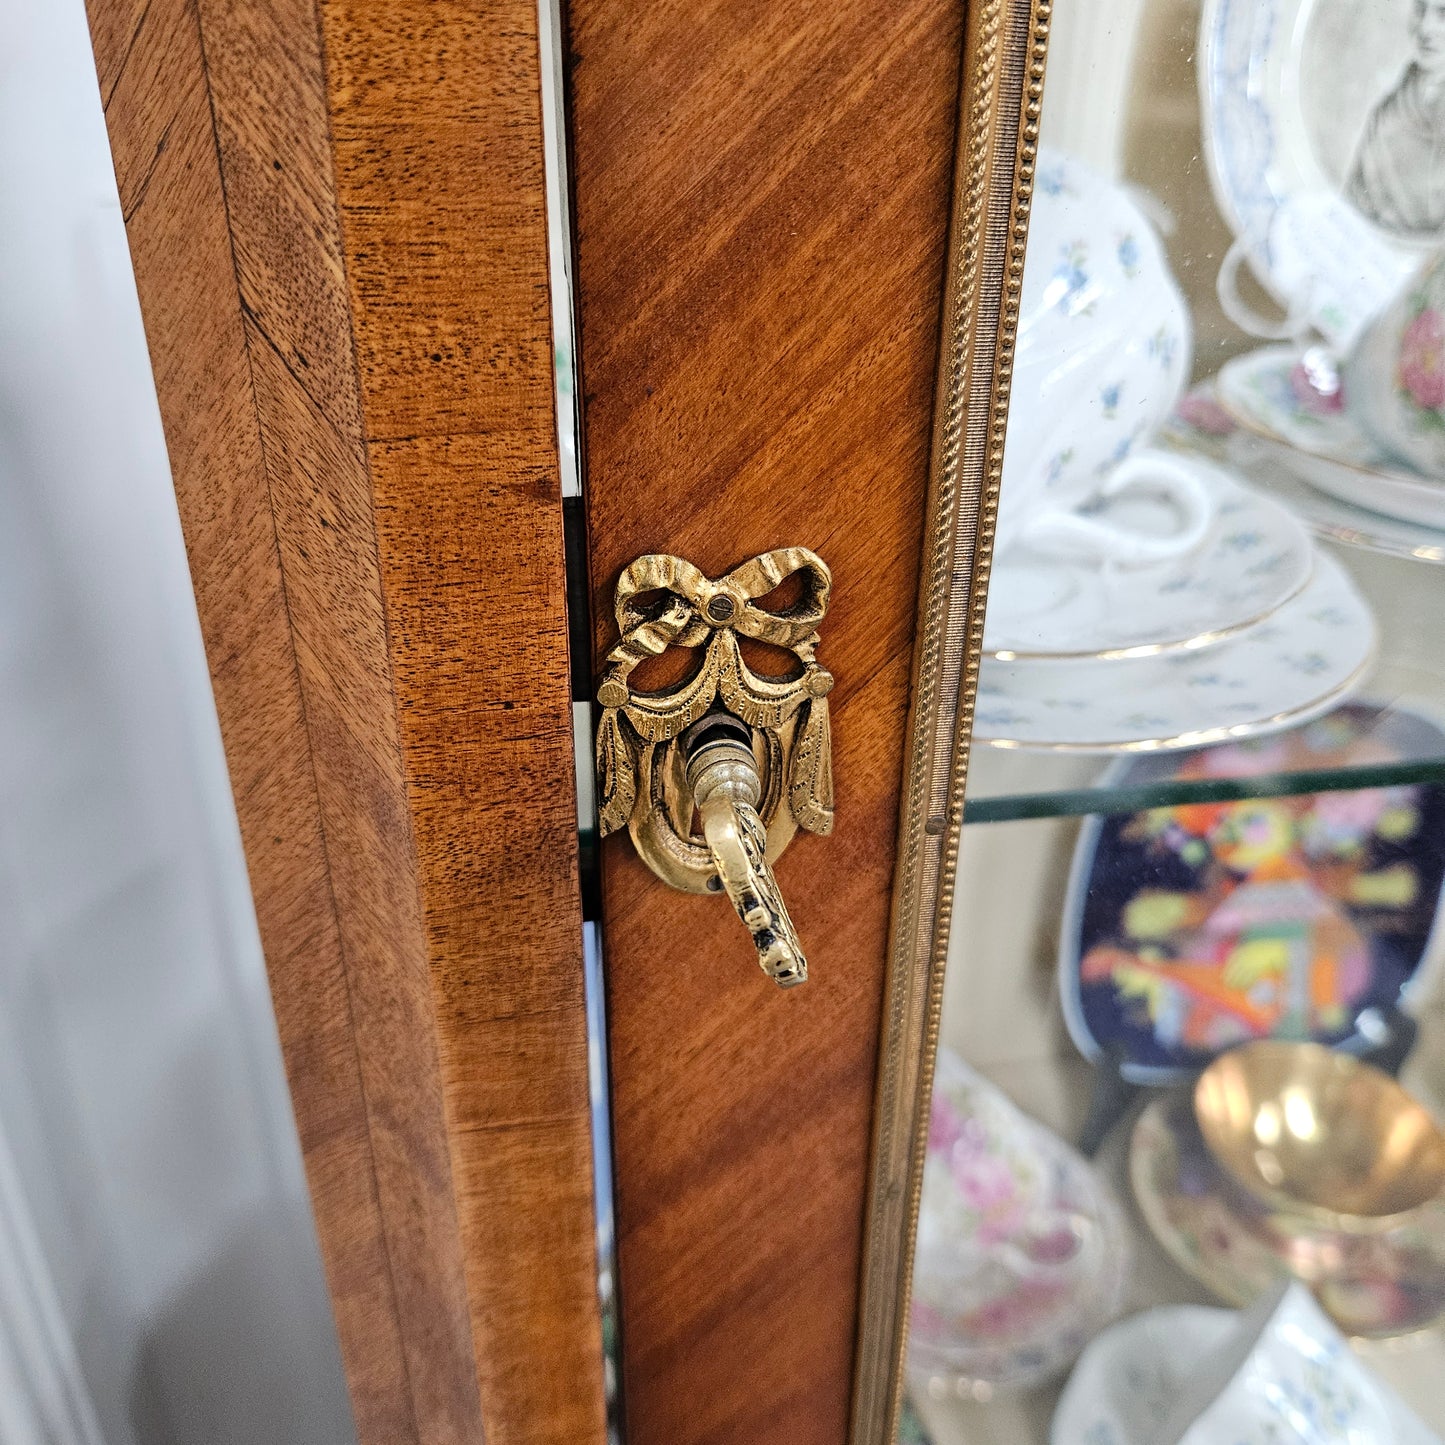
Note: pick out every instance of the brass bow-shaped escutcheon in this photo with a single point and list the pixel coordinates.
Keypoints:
(714, 776)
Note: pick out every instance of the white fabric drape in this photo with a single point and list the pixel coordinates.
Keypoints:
(159, 1277)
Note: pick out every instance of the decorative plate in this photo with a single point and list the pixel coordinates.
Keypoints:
(1128, 1381)
(1322, 151)
(1190, 929)
(1263, 392)
(1374, 1286)
(1255, 557)
(1301, 661)
(1201, 425)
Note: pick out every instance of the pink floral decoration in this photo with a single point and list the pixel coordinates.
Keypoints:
(945, 1126)
(1200, 410)
(1422, 360)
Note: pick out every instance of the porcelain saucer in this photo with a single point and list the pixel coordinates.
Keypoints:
(1258, 390)
(1374, 1286)
(1304, 659)
(1255, 557)
(1127, 1382)
(1293, 478)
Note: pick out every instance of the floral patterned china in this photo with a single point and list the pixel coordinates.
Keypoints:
(1103, 352)
(1131, 1381)
(1374, 1286)
(1254, 558)
(1312, 157)
(1267, 392)
(1273, 390)
(1190, 929)
(1299, 662)
(1022, 1254)
(1395, 378)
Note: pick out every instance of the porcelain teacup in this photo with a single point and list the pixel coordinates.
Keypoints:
(1284, 1374)
(1103, 354)
(1395, 376)
(1021, 1253)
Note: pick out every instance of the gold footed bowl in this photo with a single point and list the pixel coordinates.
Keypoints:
(1318, 1135)
(1381, 1282)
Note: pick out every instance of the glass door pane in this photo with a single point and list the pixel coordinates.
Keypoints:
(1195, 938)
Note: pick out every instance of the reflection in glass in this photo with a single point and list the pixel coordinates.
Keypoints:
(1207, 798)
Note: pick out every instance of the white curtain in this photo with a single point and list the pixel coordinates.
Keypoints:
(159, 1277)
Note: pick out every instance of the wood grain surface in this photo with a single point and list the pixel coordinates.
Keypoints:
(337, 222)
(762, 203)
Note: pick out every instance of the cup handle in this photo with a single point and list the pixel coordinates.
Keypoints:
(1290, 327)
(1021, 1263)
(1069, 534)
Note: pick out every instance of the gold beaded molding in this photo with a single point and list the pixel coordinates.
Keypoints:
(1005, 46)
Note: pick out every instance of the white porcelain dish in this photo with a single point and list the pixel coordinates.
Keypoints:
(1333, 454)
(1253, 559)
(1293, 93)
(1304, 659)
(1128, 1381)
(1293, 478)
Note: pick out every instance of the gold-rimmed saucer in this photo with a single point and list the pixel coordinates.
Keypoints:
(1309, 656)
(1375, 1286)
(1323, 448)
(1254, 558)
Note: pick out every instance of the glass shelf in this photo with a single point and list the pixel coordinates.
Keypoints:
(1401, 740)
(1066, 802)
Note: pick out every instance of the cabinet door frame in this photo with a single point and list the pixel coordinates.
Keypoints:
(337, 221)
(349, 323)
(735, 282)
(1006, 46)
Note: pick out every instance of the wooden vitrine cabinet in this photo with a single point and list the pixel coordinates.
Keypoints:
(793, 254)
(655, 377)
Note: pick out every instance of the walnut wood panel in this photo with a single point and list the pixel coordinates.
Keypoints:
(762, 201)
(337, 225)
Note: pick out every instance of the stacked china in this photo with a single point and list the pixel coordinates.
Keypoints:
(1143, 595)
(1344, 417)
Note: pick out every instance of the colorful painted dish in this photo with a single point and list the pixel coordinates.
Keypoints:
(1311, 114)
(1190, 929)
(1374, 1286)
(1263, 393)
(1302, 660)
(1254, 558)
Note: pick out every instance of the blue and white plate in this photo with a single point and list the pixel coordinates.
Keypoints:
(1308, 106)
(1305, 658)
(1127, 1383)
(1192, 928)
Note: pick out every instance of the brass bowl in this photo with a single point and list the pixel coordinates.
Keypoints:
(1319, 1135)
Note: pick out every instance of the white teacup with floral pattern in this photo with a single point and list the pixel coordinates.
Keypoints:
(1021, 1253)
(1103, 354)
(1395, 377)
(1285, 1376)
